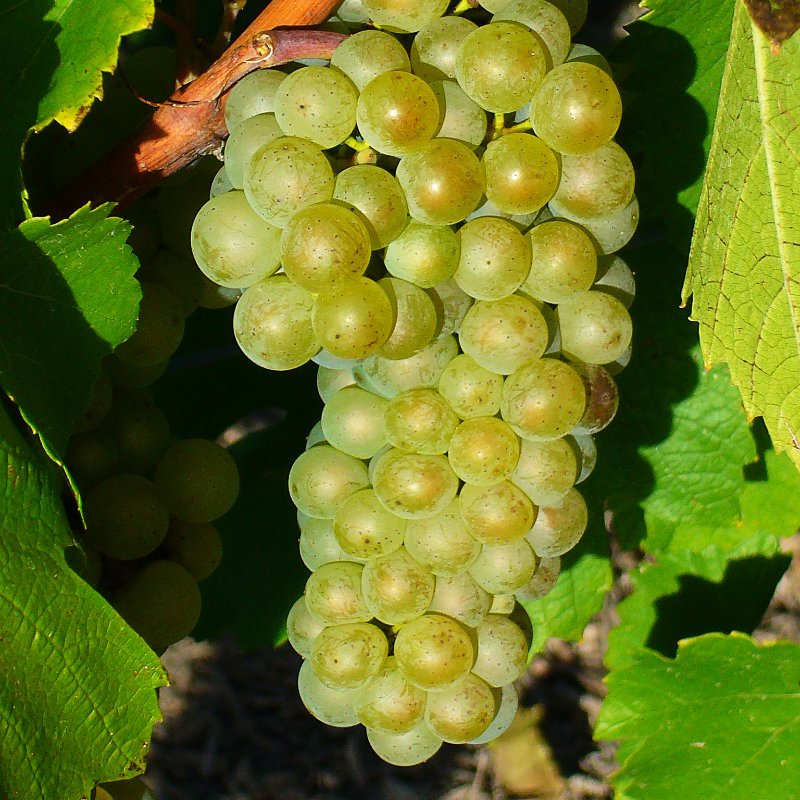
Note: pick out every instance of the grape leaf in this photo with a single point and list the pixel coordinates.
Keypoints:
(720, 721)
(744, 267)
(67, 298)
(77, 685)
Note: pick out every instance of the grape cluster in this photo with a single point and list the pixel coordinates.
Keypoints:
(455, 281)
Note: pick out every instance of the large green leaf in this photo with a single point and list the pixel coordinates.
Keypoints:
(721, 721)
(77, 685)
(744, 269)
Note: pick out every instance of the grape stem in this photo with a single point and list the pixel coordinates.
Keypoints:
(191, 123)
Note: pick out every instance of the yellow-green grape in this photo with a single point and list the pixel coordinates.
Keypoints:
(377, 196)
(332, 706)
(322, 478)
(498, 514)
(574, 10)
(461, 117)
(92, 457)
(286, 175)
(545, 20)
(97, 406)
(415, 319)
(352, 422)
(125, 516)
(178, 274)
(602, 399)
(140, 430)
(346, 656)
(397, 588)
(500, 66)
(413, 485)
(420, 421)
(434, 651)
(232, 245)
(506, 712)
(595, 327)
(546, 470)
(367, 54)
(504, 335)
(522, 173)
(442, 543)
(388, 702)
(252, 95)
(243, 142)
(330, 381)
(615, 277)
(406, 16)
(559, 527)
(333, 594)
(317, 103)
(543, 400)
(133, 376)
(452, 304)
(198, 480)
(503, 604)
(483, 451)
(435, 47)
(504, 568)
(424, 255)
(196, 546)
(353, 11)
(302, 628)
(596, 184)
(459, 597)
(318, 543)
(582, 53)
(365, 529)
(502, 651)
(272, 324)
(220, 184)
(461, 712)
(495, 258)
(353, 320)
(215, 296)
(563, 261)
(405, 749)
(159, 329)
(610, 232)
(577, 108)
(470, 389)
(543, 580)
(161, 603)
(397, 113)
(588, 453)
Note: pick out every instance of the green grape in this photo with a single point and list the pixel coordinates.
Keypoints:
(546, 470)
(145, 236)
(332, 706)
(610, 232)
(543, 400)
(559, 527)
(318, 104)
(435, 47)
(434, 651)
(97, 406)
(215, 296)
(452, 304)
(424, 255)
(461, 712)
(353, 11)
(322, 478)
(272, 324)
(367, 54)
(397, 113)
(176, 273)
(543, 580)
(221, 184)
(545, 20)
(318, 543)
(133, 789)
(140, 430)
(442, 542)
(405, 16)
(563, 261)
(327, 359)
(315, 436)
(125, 516)
(346, 656)
(595, 327)
(584, 54)
(413, 485)
(198, 480)
(588, 450)
(286, 175)
(415, 319)
(506, 712)
(498, 514)
(502, 651)
(602, 399)
(459, 597)
(92, 457)
(500, 66)
(388, 702)
(574, 10)
(495, 258)
(504, 568)
(253, 94)
(420, 421)
(333, 594)
(232, 245)
(483, 451)
(302, 628)
(85, 561)
(159, 329)
(243, 142)
(195, 546)
(132, 376)
(397, 588)
(577, 108)
(405, 749)
(365, 529)
(377, 196)
(161, 603)
(461, 117)
(330, 381)
(353, 320)
(352, 422)
(615, 277)
(522, 173)
(504, 335)
(503, 604)
(470, 389)
(443, 181)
